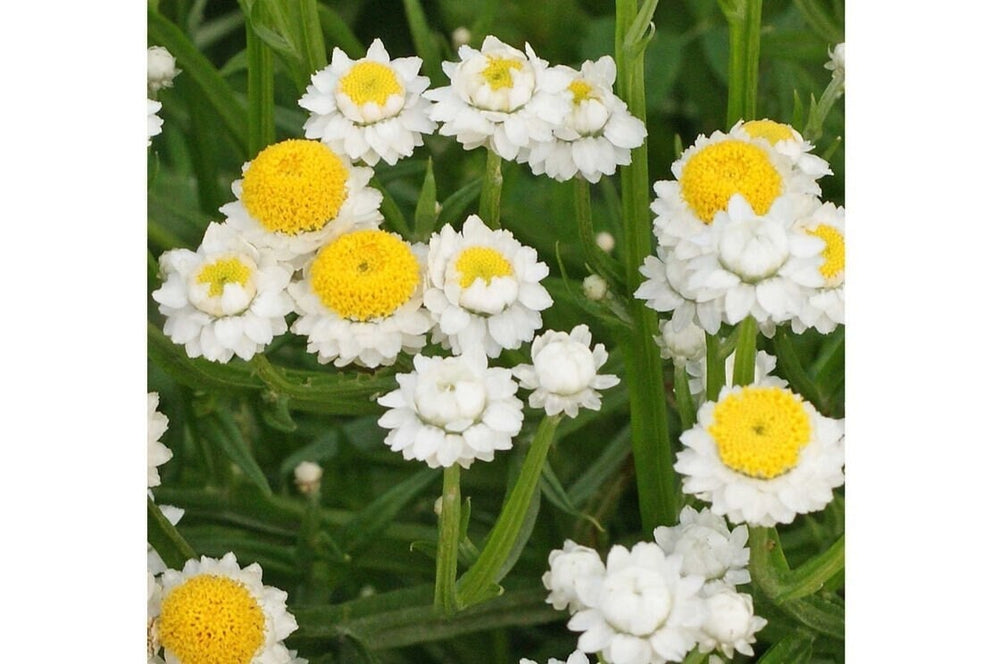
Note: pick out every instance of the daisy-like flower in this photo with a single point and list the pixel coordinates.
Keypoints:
(361, 300)
(225, 299)
(369, 109)
(161, 68)
(788, 142)
(576, 657)
(297, 195)
(574, 577)
(213, 611)
(713, 170)
(823, 308)
(452, 410)
(730, 624)
(761, 454)
(563, 372)
(597, 135)
(647, 610)
(154, 123)
(665, 289)
(157, 453)
(483, 289)
(501, 98)
(707, 545)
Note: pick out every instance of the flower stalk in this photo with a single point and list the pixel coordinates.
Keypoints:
(449, 531)
(489, 198)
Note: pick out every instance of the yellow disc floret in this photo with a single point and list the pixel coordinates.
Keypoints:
(769, 130)
(211, 620)
(295, 186)
(497, 71)
(365, 275)
(481, 263)
(833, 254)
(221, 272)
(370, 82)
(581, 90)
(759, 431)
(719, 170)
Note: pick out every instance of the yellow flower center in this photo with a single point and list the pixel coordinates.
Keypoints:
(581, 91)
(211, 620)
(481, 263)
(768, 129)
(497, 71)
(719, 170)
(759, 431)
(833, 253)
(295, 186)
(221, 272)
(370, 82)
(365, 275)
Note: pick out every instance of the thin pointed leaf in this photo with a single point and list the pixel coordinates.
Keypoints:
(165, 539)
(795, 648)
(228, 439)
(425, 218)
(371, 521)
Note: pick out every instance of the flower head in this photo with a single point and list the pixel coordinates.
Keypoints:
(563, 372)
(483, 289)
(730, 623)
(574, 577)
(161, 68)
(597, 135)
(157, 453)
(823, 308)
(685, 345)
(227, 298)
(213, 611)
(452, 410)
(297, 195)
(500, 97)
(708, 547)
(361, 300)
(760, 454)
(788, 142)
(666, 289)
(369, 109)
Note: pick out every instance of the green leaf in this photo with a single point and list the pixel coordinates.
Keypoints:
(554, 492)
(457, 204)
(390, 210)
(823, 615)
(795, 648)
(338, 32)
(165, 539)
(273, 408)
(230, 442)
(425, 41)
(425, 218)
(372, 520)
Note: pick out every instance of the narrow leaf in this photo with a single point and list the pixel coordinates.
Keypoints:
(165, 539)
(228, 439)
(425, 218)
(795, 648)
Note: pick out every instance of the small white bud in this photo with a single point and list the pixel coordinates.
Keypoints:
(605, 240)
(595, 287)
(161, 68)
(308, 476)
(461, 36)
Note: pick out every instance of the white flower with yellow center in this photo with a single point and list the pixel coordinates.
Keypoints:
(369, 109)
(730, 624)
(484, 289)
(823, 308)
(563, 372)
(501, 98)
(788, 142)
(761, 454)
(707, 545)
(154, 123)
(597, 135)
(452, 410)
(574, 577)
(297, 195)
(576, 657)
(225, 299)
(157, 453)
(666, 289)
(714, 170)
(647, 611)
(360, 300)
(212, 611)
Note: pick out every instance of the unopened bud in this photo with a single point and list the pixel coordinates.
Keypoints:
(161, 68)
(461, 36)
(595, 287)
(605, 240)
(308, 476)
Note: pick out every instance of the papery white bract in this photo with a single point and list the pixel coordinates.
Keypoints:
(574, 577)
(709, 548)
(730, 624)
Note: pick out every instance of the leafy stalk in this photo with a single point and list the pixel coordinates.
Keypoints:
(449, 527)
(597, 259)
(743, 17)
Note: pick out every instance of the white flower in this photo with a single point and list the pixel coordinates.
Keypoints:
(597, 135)
(836, 65)
(369, 109)
(788, 142)
(685, 345)
(761, 455)
(224, 299)
(154, 123)
(666, 289)
(154, 594)
(213, 611)
(647, 611)
(713, 170)
(501, 98)
(452, 410)
(594, 287)
(308, 475)
(563, 373)
(574, 577)
(157, 453)
(707, 545)
(730, 623)
(297, 195)
(361, 300)
(161, 68)
(576, 657)
(823, 308)
(483, 289)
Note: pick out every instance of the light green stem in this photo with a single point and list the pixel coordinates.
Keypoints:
(715, 367)
(744, 18)
(449, 527)
(746, 352)
(260, 93)
(595, 257)
(489, 198)
(770, 572)
(682, 392)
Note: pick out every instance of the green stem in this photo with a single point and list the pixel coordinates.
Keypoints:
(812, 575)
(770, 572)
(818, 112)
(260, 93)
(695, 657)
(489, 198)
(746, 352)
(715, 368)
(478, 583)
(793, 370)
(682, 392)
(597, 259)
(744, 17)
(449, 525)
(751, 61)
(767, 560)
(653, 457)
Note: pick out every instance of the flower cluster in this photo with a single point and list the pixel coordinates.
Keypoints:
(659, 600)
